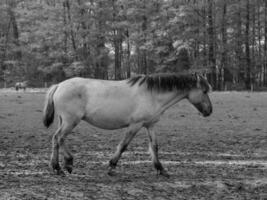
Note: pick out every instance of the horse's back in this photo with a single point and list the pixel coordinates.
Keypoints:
(93, 87)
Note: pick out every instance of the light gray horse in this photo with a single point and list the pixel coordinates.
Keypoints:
(134, 103)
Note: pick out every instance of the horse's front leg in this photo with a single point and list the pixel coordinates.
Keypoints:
(129, 135)
(153, 148)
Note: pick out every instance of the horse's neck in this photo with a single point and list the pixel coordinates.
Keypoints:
(168, 99)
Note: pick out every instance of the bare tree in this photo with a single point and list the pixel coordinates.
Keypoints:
(211, 44)
(247, 46)
(224, 44)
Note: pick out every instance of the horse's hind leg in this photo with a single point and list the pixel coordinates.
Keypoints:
(68, 158)
(153, 148)
(129, 135)
(54, 162)
(59, 142)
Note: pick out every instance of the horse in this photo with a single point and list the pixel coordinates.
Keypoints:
(135, 103)
(21, 85)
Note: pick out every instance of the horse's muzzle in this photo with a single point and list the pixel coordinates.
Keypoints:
(204, 110)
(207, 112)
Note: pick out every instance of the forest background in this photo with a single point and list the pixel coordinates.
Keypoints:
(47, 41)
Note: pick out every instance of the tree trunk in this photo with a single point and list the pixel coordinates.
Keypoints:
(65, 38)
(82, 24)
(144, 68)
(67, 4)
(205, 58)
(211, 55)
(240, 68)
(117, 40)
(224, 45)
(247, 49)
(101, 66)
(117, 44)
(128, 55)
(253, 60)
(15, 28)
(265, 43)
(259, 44)
(6, 43)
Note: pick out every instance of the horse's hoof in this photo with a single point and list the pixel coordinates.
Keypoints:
(69, 169)
(57, 169)
(68, 164)
(111, 173)
(164, 174)
(60, 173)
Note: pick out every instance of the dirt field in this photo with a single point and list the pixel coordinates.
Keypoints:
(220, 157)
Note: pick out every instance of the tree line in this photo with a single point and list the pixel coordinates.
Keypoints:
(51, 40)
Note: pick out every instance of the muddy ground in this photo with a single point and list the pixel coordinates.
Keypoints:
(220, 157)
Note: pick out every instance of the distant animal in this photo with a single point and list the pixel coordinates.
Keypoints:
(21, 85)
(133, 103)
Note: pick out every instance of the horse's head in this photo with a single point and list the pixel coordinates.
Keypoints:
(198, 96)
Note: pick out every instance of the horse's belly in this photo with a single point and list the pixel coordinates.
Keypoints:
(106, 124)
(109, 117)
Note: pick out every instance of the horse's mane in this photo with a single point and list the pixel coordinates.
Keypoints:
(169, 82)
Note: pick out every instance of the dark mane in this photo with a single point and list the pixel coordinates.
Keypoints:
(169, 82)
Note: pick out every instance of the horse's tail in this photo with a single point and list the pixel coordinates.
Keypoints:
(48, 112)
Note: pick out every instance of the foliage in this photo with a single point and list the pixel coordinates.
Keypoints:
(57, 39)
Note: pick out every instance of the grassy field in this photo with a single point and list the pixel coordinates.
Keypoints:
(220, 157)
